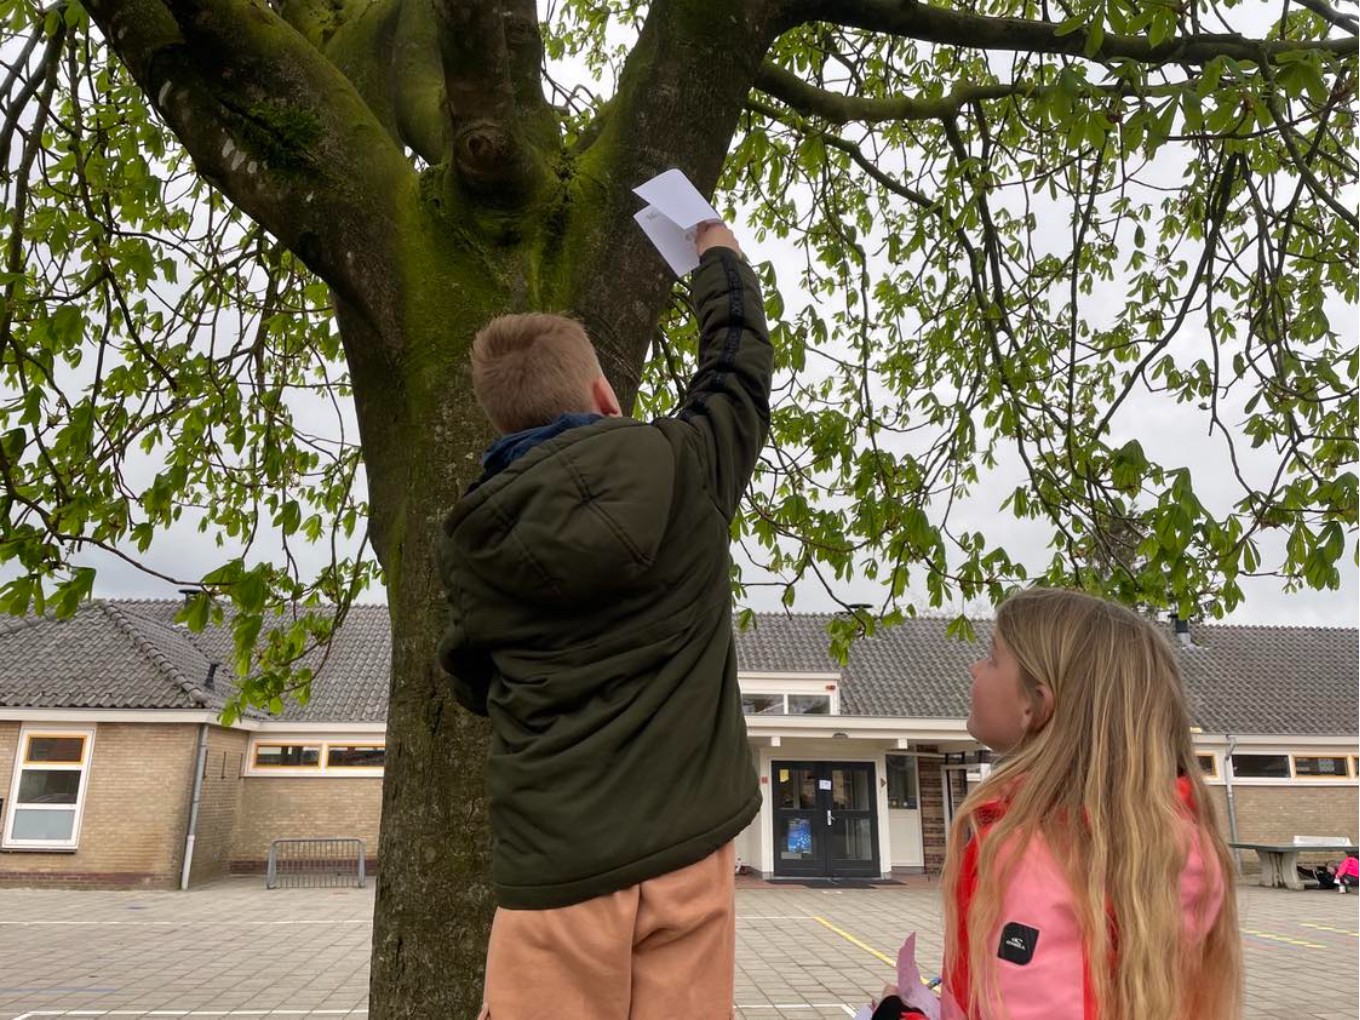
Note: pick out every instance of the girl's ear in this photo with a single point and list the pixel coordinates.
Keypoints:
(1042, 711)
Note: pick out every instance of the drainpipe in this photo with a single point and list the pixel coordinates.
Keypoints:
(1232, 805)
(201, 760)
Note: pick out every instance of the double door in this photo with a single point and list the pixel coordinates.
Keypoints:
(825, 822)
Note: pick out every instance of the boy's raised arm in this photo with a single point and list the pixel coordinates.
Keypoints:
(728, 402)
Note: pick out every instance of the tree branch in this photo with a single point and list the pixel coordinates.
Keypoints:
(491, 54)
(277, 128)
(679, 96)
(928, 23)
(1345, 22)
(807, 99)
(835, 108)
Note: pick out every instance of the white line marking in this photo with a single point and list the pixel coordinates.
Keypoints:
(797, 1005)
(136, 924)
(191, 1012)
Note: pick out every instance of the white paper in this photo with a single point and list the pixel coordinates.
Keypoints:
(677, 199)
(823, 784)
(675, 247)
(674, 209)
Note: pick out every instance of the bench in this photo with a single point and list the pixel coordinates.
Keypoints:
(1280, 861)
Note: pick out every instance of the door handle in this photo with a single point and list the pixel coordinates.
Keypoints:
(828, 817)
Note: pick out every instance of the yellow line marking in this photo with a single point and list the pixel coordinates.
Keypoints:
(867, 948)
(1325, 927)
(850, 938)
(1281, 938)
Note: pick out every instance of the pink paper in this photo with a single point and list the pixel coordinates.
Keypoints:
(913, 991)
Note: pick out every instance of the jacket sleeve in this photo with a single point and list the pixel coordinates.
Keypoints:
(469, 667)
(728, 402)
(893, 1008)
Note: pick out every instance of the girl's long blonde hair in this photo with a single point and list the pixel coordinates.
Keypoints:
(1098, 783)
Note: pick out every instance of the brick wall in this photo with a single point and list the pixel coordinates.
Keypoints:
(219, 806)
(1276, 814)
(9, 746)
(932, 813)
(135, 811)
(283, 807)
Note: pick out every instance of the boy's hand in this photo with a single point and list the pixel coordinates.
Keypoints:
(715, 235)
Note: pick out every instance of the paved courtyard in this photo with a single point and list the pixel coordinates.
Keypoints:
(234, 949)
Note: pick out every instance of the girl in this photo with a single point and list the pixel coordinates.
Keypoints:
(1086, 876)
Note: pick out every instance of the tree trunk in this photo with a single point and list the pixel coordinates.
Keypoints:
(435, 899)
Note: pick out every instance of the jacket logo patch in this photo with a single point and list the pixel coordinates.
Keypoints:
(1018, 942)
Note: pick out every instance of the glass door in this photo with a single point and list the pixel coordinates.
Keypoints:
(799, 833)
(853, 845)
(825, 822)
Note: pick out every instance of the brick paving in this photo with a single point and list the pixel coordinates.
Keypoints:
(235, 949)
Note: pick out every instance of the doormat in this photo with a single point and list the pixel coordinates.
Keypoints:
(836, 883)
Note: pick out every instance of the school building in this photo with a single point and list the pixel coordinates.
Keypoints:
(115, 771)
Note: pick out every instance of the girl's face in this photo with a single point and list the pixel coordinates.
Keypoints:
(1002, 710)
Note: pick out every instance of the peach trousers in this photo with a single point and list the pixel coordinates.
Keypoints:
(662, 949)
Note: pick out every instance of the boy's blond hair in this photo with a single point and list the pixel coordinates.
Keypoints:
(530, 368)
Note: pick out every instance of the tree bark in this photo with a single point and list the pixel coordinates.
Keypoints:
(435, 899)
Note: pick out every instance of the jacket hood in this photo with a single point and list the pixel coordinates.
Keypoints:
(579, 516)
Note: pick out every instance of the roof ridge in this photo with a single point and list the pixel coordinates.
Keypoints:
(157, 657)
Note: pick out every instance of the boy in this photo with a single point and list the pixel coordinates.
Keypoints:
(587, 574)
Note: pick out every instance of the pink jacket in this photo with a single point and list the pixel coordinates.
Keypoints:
(1042, 971)
(1348, 868)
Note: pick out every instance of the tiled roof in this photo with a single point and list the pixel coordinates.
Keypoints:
(349, 686)
(1240, 680)
(129, 654)
(912, 670)
(105, 656)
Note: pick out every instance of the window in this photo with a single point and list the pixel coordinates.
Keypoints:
(48, 790)
(902, 782)
(809, 704)
(355, 756)
(1208, 765)
(297, 757)
(287, 756)
(762, 704)
(1260, 766)
(786, 704)
(1311, 767)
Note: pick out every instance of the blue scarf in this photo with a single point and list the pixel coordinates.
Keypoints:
(514, 445)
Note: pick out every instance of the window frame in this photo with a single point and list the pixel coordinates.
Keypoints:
(23, 763)
(1215, 771)
(1322, 777)
(322, 768)
(357, 745)
(1288, 766)
(770, 685)
(256, 745)
(916, 776)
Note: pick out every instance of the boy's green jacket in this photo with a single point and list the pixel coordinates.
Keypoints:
(591, 619)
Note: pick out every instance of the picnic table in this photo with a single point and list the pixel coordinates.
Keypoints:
(1280, 861)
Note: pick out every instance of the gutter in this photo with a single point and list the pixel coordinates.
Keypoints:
(200, 765)
(1232, 805)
